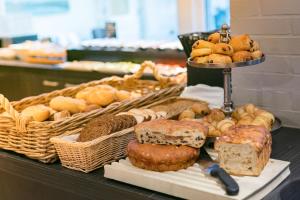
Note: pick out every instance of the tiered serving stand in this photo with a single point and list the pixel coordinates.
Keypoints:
(227, 69)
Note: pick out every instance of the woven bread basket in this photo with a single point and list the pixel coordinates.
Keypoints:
(32, 138)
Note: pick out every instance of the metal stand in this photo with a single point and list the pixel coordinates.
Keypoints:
(227, 108)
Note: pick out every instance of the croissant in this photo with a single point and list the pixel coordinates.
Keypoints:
(267, 115)
(261, 121)
(215, 115)
(225, 124)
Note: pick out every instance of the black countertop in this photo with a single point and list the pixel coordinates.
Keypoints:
(22, 178)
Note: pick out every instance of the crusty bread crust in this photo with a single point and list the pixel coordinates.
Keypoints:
(158, 157)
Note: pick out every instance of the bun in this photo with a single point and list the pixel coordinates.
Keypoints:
(200, 52)
(72, 105)
(187, 114)
(61, 115)
(241, 56)
(223, 48)
(214, 37)
(101, 95)
(244, 150)
(37, 112)
(254, 46)
(123, 95)
(241, 42)
(173, 132)
(219, 59)
(200, 108)
(201, 60)
(202, 44)
(161, 158)
(256, 54)
(91, 107)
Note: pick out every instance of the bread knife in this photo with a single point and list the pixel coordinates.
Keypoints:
(212, 168)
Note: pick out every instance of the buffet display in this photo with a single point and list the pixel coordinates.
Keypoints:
(100, 122)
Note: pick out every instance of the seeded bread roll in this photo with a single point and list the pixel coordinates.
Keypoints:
(173, 132)
(244, 150)
(161, 158)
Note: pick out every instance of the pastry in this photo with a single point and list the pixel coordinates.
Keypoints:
(201, 60)
(219, 59)
(37, 112)
(223, 48)
(72, 105)
(202, 44)
(254, 46)
(200, 108)
(173, 132)
(214, 115)
(187, 114)
(244, 150)
(241, 56)
(200, 52)
(123, 95)
(161, 158)
(105, 125)
(256, 54)
(214, 37)
(225, 125)
(101, 95)
(241, 43)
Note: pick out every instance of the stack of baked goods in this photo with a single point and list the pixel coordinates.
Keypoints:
(108, 124)
(166, 145)
(86, 100)
(241, 48)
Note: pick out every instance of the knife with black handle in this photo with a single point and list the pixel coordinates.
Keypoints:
(212, 168)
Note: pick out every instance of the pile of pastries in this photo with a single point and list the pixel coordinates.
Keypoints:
(243, 142)
(86, 100)
(240, 48)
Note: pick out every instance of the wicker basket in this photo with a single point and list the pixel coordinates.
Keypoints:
(32, 138)
(90, 155)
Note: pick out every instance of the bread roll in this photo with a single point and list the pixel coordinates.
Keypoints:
(72, 105)
(123, 95)
(61, 115)
(241, 42)
(200, 52)
(161, 158)
(37, 112)
(200, 44)
(241, 56)
(223, 48)
(187, 114)
(219, 59)
(200, 108)
(173, 132)
(244, 150)
(214, 37)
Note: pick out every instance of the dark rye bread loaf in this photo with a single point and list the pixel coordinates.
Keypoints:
(105, 125)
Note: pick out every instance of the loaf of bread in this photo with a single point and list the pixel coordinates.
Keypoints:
(161, 158)
(37, 112)
(101, 95)
(244, 150)
(70, 104)
(162, 131)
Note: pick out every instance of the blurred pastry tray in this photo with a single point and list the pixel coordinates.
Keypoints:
(223, 66)
(192, 183)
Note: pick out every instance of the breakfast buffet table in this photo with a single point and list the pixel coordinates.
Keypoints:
(34, 180)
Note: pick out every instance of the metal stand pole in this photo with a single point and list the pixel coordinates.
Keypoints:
(227, 109)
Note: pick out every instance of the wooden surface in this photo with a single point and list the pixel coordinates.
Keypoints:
(22, 178)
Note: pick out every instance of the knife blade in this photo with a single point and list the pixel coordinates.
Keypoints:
(212, 168)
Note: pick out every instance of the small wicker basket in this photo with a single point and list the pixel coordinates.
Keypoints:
(32, 138)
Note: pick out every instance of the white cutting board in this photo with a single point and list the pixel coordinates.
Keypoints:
(192, 183)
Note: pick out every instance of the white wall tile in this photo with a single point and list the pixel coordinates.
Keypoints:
(244, 8)
(280, 7)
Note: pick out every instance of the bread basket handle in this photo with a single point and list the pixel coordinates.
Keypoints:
(21, 122)
(149, 64)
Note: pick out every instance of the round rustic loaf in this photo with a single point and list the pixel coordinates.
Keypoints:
(157, 157)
